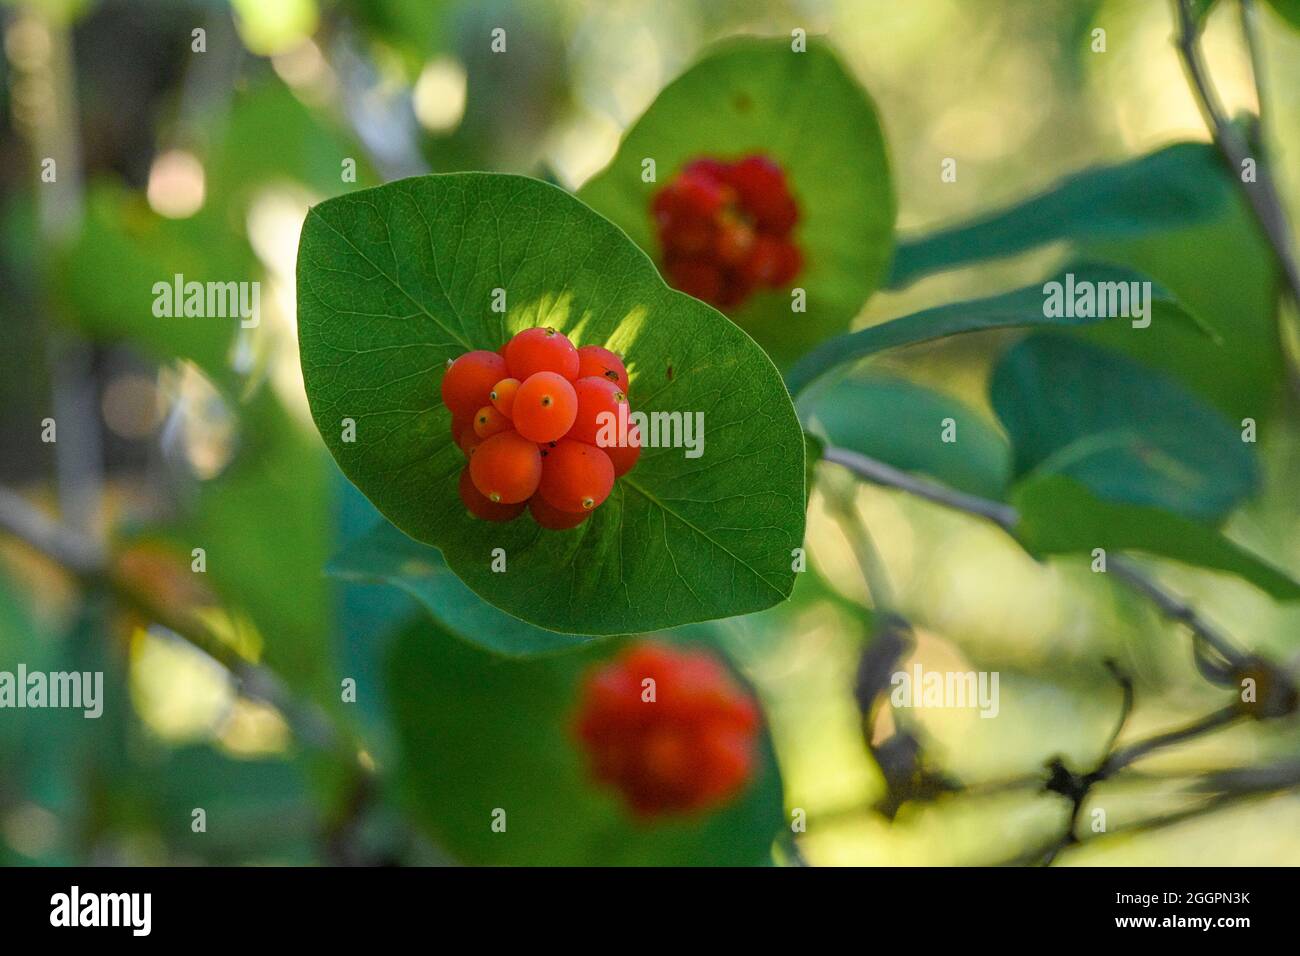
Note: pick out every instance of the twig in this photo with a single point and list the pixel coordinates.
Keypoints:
(1176, 609)
(1006, 517)
(874, 573)
(1250, 31)
(1119, 759)
(880, 473)
(76, 552)
(90, 561)
(1262, 196)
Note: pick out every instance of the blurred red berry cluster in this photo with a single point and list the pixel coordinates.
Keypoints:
(690, 748)
(725, 229)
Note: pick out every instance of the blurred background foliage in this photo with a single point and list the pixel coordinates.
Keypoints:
(175, 434)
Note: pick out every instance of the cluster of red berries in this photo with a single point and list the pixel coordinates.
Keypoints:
(726, 229)
(684, 743)
(528, 417)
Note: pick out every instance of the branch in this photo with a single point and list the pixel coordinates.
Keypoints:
(874, 572)
(880, 473)
(1006, 517)
(1121, 758)
(89, 561)
(1262, 196)
(76, 552)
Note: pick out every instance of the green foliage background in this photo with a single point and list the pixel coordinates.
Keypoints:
(196, 433)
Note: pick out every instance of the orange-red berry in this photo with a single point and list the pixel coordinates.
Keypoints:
(688, 746)
(575, 476)
(480, 506)
(506, 468)
(554, 518)
(468, 379)
(469, 440)
(624, 457)
(601, 362)
(488, 421)
(541, 350)
(545, 406)
(598, 404)
(503, 395)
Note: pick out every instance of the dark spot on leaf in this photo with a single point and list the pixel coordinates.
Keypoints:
(742, 102)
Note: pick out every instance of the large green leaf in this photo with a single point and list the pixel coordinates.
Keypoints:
(807, 113)
(1224, 272)
(1060, 516)
(386, 556)
(1125, 431)
(1020, 307)
(479, 732)
(902, 423)
(394, 281)
(1172, 187)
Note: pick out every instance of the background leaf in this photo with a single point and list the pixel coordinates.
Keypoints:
(1224, 272)
(1019, 307)
(394, 281)
(386, 556)
(1124, 431)
(1174, 186)
(1059, 516)
(806, 112)
(1288, 10)
(480, 732)
(900, 422)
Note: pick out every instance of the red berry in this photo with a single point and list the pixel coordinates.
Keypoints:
(600, 361)
(624, 457)
(708, 167)
(554, 518)
(481, 507)
(700, 279)
(695, 193)
(540, 350)
(689, 236)
(506, 468)
(488, 421)
(597, 398)
(459, 426)
(544, 407)
(469, 440)
(691, 748)
(736, 288)
(789, 264)
(735, 239)
(503, 395)
(763, 193)
(575, 476)
(467, 381)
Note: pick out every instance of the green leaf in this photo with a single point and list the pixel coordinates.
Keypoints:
(1025, 306)
(901, 423)
(394, 281)
(1175, 186)
(808, 114)
(1288, 10)
(106, 278)
(1123, 430)
(1224, 272)
(386, 556)
(478, 732)
(1060, 516)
